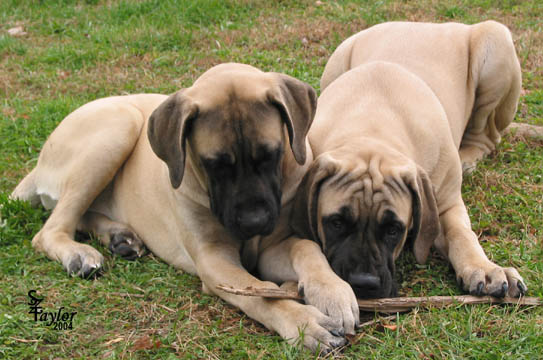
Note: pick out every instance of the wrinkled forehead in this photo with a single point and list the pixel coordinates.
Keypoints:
(363, 196)
(237, 126)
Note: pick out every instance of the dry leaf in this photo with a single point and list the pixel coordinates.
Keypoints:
(145, 343)
(63, 74)
(17, 31)
(350, 338)
(382, 327)
(116, 340)
(391, 327)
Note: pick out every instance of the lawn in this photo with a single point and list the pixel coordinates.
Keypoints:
(73, 52)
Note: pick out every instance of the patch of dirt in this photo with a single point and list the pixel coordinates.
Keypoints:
(316, 35)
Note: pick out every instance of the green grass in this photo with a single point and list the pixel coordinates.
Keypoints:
(76, 51)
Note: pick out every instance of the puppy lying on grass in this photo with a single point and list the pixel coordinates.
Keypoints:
(405, 109)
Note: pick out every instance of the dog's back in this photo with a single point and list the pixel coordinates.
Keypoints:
(457, 61)
(383, 103)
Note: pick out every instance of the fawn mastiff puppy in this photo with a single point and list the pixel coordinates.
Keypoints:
(197, 177)
(386, 140)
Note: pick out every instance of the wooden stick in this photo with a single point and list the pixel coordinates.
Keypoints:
(392, 305)
(267, 293)
(402, 304)
(529, 131)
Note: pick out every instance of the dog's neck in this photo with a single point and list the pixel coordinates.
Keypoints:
(194, 185)
(293, 173)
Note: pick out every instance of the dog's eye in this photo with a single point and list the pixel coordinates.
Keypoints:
(337, 223)
(338, 227)
(393, 230)
(264, 159)
(219, 164)
(267, 159)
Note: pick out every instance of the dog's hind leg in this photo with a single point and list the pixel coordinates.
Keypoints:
(120, 238)
(76, 164)
(495, 70)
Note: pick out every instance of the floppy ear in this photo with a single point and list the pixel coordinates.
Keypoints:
(168, 127)
(296, 102)
(426, 225)
(304, 215)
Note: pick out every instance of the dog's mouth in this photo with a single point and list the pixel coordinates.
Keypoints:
(246, 234)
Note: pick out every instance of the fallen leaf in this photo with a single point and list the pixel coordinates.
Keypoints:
(350, 338)
(8, 112)
(63, 74)
(382, 327)
(145, 343)
(17, 31)
(113, 341)
(391, 327)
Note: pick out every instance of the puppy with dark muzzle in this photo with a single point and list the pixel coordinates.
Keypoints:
(198, 177)
(405, 108)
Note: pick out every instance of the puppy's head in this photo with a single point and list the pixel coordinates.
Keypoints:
(362, 212)
(233, 125)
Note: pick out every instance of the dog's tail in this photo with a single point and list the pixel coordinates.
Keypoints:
(27, 190)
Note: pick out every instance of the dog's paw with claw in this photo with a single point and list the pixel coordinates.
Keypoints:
(491, 280)
(334, 297)
(84, 261)
(307, 325)
(126, 244)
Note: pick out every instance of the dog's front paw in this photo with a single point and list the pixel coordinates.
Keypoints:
(83, 260)
(491, 280)
(307, 325)
(333, 297)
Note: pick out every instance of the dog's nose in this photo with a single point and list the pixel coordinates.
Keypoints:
(253, 221)
(364, 281)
